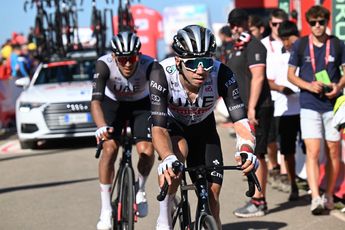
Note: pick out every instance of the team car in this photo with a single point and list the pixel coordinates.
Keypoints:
(56, 102)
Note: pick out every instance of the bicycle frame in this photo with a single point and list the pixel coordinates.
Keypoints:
(201, 188)
(202, 191)
(117, 188)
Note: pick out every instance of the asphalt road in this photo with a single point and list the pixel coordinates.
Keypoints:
(56, 188)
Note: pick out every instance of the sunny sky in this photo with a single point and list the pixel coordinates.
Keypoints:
(14, 18)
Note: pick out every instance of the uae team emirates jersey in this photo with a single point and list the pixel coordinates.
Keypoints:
(109, 81)
(169, 98)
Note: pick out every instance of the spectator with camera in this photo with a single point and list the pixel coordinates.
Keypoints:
(319, 57)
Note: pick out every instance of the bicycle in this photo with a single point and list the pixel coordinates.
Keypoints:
(125, 17)
(204, 218)
(123, 200)
(43, 27)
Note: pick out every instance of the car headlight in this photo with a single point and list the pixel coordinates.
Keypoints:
(27, 106)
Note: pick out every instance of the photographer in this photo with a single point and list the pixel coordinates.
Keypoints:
(319, 57)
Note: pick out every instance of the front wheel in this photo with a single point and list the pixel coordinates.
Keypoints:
(126, 202)
(207, 222)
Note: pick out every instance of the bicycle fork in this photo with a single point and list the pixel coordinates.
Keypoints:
(201, 189)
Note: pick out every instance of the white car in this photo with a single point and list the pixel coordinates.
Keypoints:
(56, 102)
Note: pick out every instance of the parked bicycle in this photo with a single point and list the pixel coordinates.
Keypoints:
(123, 187)
(43, 27)
(181, 217)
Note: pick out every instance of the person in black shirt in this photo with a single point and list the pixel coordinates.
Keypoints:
(248, 61)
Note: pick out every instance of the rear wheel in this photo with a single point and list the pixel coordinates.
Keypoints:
(207, 222)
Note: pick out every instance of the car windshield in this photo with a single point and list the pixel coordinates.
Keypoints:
(66, 71)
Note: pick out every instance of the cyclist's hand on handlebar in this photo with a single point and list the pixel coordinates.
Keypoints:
(252, 162)
(103, 133)
(165, 170)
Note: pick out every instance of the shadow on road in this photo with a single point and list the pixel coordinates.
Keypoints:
(44, 185)
(56, 147)
(68, 143)
(245, 225)
(302, 201)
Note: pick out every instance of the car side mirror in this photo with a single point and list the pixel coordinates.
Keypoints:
(23, 82)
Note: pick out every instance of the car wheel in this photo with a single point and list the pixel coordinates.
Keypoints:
(28, 144)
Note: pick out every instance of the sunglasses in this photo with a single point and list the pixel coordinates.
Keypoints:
(275, 24)
(125, 59)
(192, 64)
(321, 22)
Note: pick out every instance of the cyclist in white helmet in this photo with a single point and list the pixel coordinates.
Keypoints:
(120, 93)
(184, 90)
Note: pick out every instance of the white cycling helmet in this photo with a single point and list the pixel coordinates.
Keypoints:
(194, 41)
(125, 43)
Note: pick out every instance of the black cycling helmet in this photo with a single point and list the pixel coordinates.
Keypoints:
(194, 41)
(125, 44)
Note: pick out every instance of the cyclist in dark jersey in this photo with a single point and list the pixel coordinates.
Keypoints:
(184, 90)
(121, 93)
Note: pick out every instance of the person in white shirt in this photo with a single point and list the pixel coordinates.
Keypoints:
(286, 106)
(274, 48)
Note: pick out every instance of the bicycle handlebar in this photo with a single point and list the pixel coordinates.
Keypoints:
(178, 167)
(99, 148)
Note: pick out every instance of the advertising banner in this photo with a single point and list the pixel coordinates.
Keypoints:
(338, 15)
(175, 18)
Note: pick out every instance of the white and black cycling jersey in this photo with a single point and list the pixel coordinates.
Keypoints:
(108, 80)
(169, 98)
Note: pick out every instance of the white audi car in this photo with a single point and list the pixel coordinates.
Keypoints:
(56, 102)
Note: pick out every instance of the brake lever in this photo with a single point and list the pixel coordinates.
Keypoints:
(252, 179)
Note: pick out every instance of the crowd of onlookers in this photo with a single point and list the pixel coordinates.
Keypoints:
(18, 57)
(289, 85)
(287, 96)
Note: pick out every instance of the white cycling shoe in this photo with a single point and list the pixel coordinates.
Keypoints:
(141, 201)
(162, 227)
(105, 220)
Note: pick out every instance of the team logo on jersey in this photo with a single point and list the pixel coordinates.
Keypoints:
(230, 82)
(232, 108)
(109, 59)
(155, 99)
(208, 88)
(157, 86)
(170, 69)
(96, 75)
(235, 93)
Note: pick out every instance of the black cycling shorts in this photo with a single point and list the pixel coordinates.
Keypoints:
(264, 116)
(203, 145)
(288, 127)
(136, 112)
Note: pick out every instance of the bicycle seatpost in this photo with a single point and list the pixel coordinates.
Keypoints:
(252, 179)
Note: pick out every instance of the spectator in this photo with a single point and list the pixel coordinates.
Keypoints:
(256, 26)
(286, 107)
(319, 56)
(18, 63)
(6, 49)
(248, 60)
(274, 47)
(222, 52)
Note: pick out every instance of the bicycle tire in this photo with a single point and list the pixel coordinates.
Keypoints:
(127, 200)
(207, 222)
